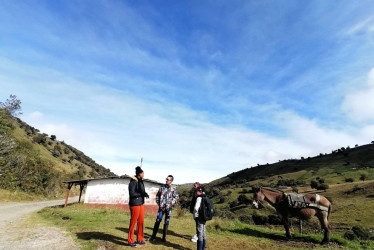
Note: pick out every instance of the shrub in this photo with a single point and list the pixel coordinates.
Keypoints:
(361, 233)
(313, 184)
(180, 212)
(40, 139)
(323, 187)
(246, 219)
(349, 180)
(274, 219)
(233, 204)
(259, 219)
(243, 199)
(350, 235)
(66, 150)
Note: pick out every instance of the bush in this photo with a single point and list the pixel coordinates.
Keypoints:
(246, 219)
(323, 187)
(361, 233)
(349, 180)
(180, 212)
(358, 233)
(350, 235)
(40, 139)
(259, 219)
(274, 219)
(314, 184)
(242, 199)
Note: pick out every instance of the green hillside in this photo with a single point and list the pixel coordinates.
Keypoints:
(341, 164)
(36, 163)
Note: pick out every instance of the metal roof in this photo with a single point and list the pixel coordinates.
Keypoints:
(85, 181)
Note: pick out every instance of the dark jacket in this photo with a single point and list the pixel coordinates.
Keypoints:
(197, 208)
(136, 192)
(193, 201)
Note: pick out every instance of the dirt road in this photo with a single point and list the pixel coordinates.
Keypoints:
(16, 234)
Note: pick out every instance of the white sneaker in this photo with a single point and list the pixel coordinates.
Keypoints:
(194, 238)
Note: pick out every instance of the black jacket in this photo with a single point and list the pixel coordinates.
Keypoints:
(136, 192)
(193, 201)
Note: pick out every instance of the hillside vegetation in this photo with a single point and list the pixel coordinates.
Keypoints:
(36, 163)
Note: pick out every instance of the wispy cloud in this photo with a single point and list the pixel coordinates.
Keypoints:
(359, 104)
(366, 25)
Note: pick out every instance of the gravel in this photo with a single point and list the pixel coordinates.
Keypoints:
(16, 234)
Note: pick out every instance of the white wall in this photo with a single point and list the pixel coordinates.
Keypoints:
(115, 191)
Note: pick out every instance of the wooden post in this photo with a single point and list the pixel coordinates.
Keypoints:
(81, 185)
(67, 193)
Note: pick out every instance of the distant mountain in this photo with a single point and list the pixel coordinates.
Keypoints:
(336, 167)
(34, 162)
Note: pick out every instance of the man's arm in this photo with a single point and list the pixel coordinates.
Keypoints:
(197, 207)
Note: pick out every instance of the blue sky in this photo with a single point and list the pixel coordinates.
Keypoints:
(199, 89)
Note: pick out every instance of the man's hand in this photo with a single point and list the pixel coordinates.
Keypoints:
(146, 195)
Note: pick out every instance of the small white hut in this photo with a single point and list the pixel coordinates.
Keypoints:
(114, 191)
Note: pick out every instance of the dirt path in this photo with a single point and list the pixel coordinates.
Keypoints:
(16, 234)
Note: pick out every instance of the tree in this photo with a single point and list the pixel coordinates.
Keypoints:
(313, 184)
(12, 105)
(363, 177)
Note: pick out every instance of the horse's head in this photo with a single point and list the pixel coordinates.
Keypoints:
(257, 196)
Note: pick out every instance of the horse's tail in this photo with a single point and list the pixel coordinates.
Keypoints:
(329, 211)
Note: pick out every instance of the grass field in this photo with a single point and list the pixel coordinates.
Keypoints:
(107, 228)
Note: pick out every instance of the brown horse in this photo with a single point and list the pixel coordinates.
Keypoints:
(319, 207)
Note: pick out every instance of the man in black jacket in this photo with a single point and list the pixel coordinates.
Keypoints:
(137, 194)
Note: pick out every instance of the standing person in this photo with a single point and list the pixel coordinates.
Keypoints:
(200, 222)
(196, 185)
(137, 194)
(166, 198)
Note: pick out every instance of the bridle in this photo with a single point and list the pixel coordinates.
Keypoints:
(256, 201)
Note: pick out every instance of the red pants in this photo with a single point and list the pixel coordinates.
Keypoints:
(137, 217)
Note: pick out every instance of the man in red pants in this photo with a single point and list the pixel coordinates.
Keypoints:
(137, 194)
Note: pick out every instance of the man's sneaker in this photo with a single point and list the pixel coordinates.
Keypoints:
(151, 238)
(194, 238)
(142, 243)
(133, 245)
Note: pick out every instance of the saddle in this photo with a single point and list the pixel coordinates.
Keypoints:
(300, 201)
(297, 201)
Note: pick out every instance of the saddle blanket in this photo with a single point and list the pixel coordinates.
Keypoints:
(297, 201)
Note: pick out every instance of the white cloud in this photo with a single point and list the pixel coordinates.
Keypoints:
(359, 104)
(363, 26)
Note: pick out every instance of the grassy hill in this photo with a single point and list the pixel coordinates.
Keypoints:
(35, 163)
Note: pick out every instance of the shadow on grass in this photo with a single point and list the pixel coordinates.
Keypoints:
(101, 236)
(258, 233)
(238, 207)
(158, 240)
(171, 232)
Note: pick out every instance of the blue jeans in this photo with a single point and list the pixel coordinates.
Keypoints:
(201, 231)
(161, 214)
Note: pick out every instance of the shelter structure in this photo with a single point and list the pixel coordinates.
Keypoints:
(113, 191)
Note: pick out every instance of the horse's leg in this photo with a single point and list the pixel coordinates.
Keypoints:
(286, 226)
(322, 216)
